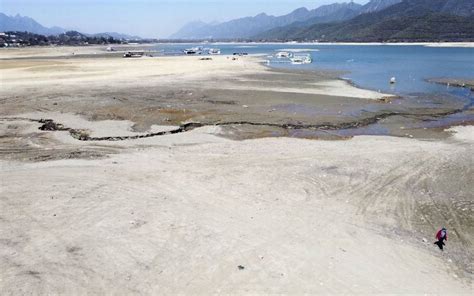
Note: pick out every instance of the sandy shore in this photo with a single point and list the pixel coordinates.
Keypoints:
(198, 212)
(149, 71)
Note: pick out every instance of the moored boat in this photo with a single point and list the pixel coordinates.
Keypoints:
(301, 59)
(194, 50)
(214, 51)
(133, 54)
(283, 55)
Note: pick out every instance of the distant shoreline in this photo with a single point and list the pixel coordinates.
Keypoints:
(426, 44)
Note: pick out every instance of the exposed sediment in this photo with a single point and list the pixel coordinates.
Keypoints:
(464, 83)
(82, 135)
(134, 216)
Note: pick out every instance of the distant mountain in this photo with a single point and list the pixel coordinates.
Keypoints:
(336, 12)
(458, 7)
(409, 20)
(191, 29)
(23, 23)
(250, 26)
(377, 5)
(27, 24)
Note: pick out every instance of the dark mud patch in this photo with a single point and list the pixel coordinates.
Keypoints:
(82, 135)
(19, 144)
(34, 274)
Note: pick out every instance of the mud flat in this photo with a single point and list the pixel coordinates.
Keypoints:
(132, 207)
(469, 83)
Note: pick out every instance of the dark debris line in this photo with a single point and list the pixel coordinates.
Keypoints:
(51, 125)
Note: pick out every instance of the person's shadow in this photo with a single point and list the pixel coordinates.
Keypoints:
(440, 244)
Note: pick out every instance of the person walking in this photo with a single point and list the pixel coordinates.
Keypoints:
(441, 236)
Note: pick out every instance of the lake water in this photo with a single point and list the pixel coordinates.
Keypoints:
(370, 66)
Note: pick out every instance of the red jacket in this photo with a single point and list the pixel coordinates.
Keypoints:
(442, 233)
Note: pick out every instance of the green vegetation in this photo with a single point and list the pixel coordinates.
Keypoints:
(68, 38)
(15, 39)
(408, 21)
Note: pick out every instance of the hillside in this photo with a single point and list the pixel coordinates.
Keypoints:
(377, 5)
(247, 27)
(24, 23)
(410, 20)
(20, 23)
(250, 26)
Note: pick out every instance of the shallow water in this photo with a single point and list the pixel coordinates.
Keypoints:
(371, 67)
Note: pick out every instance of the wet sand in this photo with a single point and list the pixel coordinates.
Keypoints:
(91, 203)
(468, 83)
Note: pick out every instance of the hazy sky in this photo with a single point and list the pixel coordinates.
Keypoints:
(147, 18)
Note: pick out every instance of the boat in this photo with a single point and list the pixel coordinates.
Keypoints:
(214, 51)
(194, 50)
(133, 54)
(301, 59)
(283, 55)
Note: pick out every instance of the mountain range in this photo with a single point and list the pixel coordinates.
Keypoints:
(247, 27)
(408, 20)
(378, 20)
(27, 24)
(24, 23)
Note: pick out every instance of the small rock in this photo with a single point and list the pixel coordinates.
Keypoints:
(241, 267)
(245, 106)
(425, 240)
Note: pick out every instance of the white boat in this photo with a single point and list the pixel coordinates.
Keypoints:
(301, 59)
(194, 50)
(214, 51)
(283, 55)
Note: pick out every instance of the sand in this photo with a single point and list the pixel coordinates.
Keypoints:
(199, 213)
(181, 215)
(150, 71)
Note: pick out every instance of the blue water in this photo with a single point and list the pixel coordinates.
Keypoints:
(371, 66)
